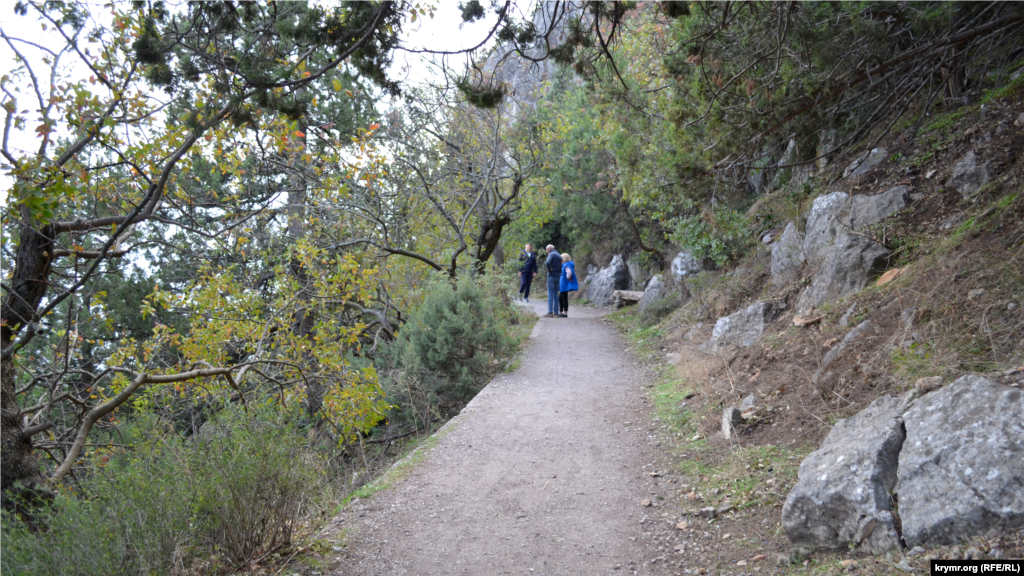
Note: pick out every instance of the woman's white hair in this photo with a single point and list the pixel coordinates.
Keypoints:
(566, 257)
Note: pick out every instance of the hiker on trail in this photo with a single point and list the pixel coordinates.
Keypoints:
(567, 282)
(526, 272)
(554, 268)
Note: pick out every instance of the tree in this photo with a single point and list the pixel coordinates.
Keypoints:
(113, 158)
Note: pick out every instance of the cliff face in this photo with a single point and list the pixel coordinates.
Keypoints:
(526, 77)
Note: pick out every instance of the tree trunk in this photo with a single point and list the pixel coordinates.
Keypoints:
(19, 468)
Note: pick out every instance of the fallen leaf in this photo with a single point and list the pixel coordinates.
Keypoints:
(848, 563)
(691, 495)
(726, 536)
(655, 474)
(741, 563)
(758, 558)
(889, 276)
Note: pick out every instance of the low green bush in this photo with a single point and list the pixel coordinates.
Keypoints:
(447, 350)
(172, 505)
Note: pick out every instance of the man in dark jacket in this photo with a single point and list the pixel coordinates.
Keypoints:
(526, 272)
(553, 264)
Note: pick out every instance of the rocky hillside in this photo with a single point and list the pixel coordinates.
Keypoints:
(869, 352)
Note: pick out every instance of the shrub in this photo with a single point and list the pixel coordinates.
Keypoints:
(234, 491)
(447, 350)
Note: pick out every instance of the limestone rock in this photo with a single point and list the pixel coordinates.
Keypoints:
(866, 209)
(614, 276)
(826, 221)
(846, 268)
(866, 162)
(685, 264)
(968, 177)
(842, 495)
(656, 290)
(731, 417)
(837, 350)
(961, 472)
(639, 274)
(787, 255)
(742, 328)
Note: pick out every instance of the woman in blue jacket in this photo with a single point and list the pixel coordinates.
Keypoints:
(567, 282)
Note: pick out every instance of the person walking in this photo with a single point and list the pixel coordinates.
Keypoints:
(567, 282)
(553, 264)
(526, 272)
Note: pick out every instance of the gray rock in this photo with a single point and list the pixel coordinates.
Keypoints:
(867, 209)
(866, 162)
(787, 255)
(907, 317)
(639, 274)
(748, 403)
(685, 264)
(961, 472)
(655, 291)
(731, 417)
(613, 277)
(845, 320)
(826, 221)
(847, 267)
(838, 349)
(742, 328)
(842, 496)
(968, 177)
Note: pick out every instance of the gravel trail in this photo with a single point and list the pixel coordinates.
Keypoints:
(544, 472)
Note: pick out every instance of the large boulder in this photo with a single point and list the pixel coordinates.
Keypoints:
(866, 162)
(685, 264)
(846, 268)
(656, 290)
(968, 177)
(961, 472)
(787, 255)
(827, 220)
(600, 285)
(842, 497)
(866, 209)
(639, 274)
(742, 328)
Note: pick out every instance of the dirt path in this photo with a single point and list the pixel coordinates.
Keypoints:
(544, 472)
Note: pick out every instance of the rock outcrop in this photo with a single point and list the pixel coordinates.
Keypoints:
(846, 267)
(787, 255)
(825, 223)
(685, 264)
(742, 328)
(656, 290)
(639, 274)
(600, 285)
(866, 162)
(968, 177)
(843, 493)
(866, 209)
(961, 472)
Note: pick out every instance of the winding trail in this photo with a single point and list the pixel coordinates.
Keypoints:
(544, 472)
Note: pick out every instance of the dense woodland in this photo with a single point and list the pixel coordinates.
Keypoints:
(243, 261)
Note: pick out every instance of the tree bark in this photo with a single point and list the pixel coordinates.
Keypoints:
(19, 468)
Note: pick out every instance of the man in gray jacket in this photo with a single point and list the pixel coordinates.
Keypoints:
(554, 267)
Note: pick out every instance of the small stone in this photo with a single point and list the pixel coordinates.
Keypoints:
(767, 238)
(731, 417)
(995, 553)
(758, 558)
(682, 526)
(930, 173)
(691, 495)
(724, 509)
(647, 503)
(708, 512)
(848, 563)
(905, 565)
(845, 320)
(1011, 306)
(972, 553)
(926, 385)
(741, 563)
(975, 293)
(748, 403)
(726, 536)
(915, 551)
(802, 321)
